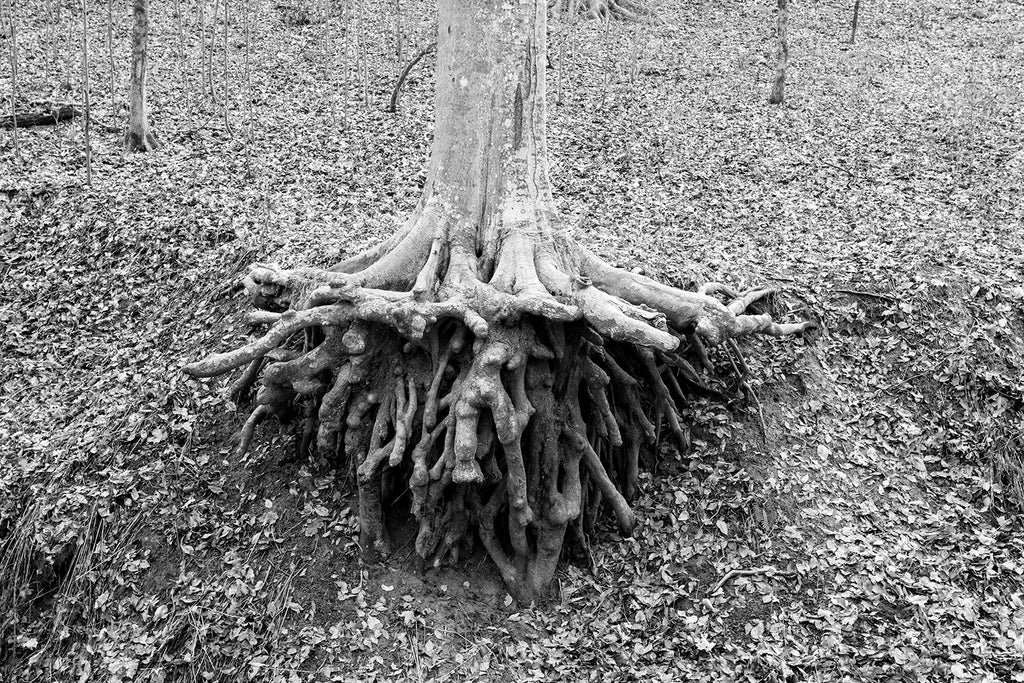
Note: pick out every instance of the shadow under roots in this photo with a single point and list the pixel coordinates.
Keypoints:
(517, 441)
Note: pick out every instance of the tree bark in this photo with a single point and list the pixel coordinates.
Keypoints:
(777, 94)
(138, 137)
(480, 358)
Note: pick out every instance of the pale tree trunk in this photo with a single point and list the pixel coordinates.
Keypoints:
(777, 94)
(138, 137)
(480, 358)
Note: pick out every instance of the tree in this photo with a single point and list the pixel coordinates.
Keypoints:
(480, 358)
(853, 26)
(13, 54)
(138, 137)
(777, 94)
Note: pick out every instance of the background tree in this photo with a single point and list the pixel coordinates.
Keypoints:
(853, 25)
(138, 137)
(778, 94)
(85, 92)
(481, 358)
(13, 57)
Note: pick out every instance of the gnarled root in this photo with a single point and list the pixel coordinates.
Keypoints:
(621, 10)
(513, 395)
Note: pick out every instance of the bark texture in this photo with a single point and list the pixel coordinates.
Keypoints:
(138, 137)
(480, 359)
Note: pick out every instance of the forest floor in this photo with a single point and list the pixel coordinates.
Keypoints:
(869, 490)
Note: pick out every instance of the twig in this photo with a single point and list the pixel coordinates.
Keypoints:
(760, 413)
(416, 655)
(873, 295)
(746, 385)
(393, 105)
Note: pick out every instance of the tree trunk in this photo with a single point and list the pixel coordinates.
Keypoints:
(85, 92)
(13, 54)
(853, 27)
(138, 137)
(480, 358)
(777, 94)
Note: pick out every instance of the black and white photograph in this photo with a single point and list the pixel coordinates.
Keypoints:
(511, 340)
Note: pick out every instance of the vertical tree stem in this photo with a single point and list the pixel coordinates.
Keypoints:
(85, 86)
(777, 94)
(202, 47)
(364, 73)
(248, 93)
(182, 61)
(856, 14)
(227, 88)
(110, 56)
(213, 44)
(13, 52)
(398, 35)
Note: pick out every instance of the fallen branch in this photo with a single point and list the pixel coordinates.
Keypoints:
(46, 118)
(735, 573)
(873, 295)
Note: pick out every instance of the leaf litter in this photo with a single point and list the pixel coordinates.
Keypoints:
(863, 525)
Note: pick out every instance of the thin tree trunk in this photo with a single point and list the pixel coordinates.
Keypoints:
(68, 53)
(227, 77)
(398, 35)
(248, 93)
(777, 94)
(346, 62)
(13, 53)
(53, 14)
(138, 137)
(364, 73)
(85, 87)
(110, 55)
(853, 28)
(213, 43)
(182, 59)
(202, 47)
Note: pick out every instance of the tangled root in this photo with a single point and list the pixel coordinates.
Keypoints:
(620, 10)
(513, 395)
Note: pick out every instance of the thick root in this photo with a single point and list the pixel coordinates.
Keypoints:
(620, 10)
(513, 395)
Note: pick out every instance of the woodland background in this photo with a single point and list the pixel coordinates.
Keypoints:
(870, 482)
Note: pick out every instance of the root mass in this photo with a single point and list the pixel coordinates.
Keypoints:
(509, 380)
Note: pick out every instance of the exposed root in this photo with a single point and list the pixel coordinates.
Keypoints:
(513, 392)
(144, 141)
(620, 10)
